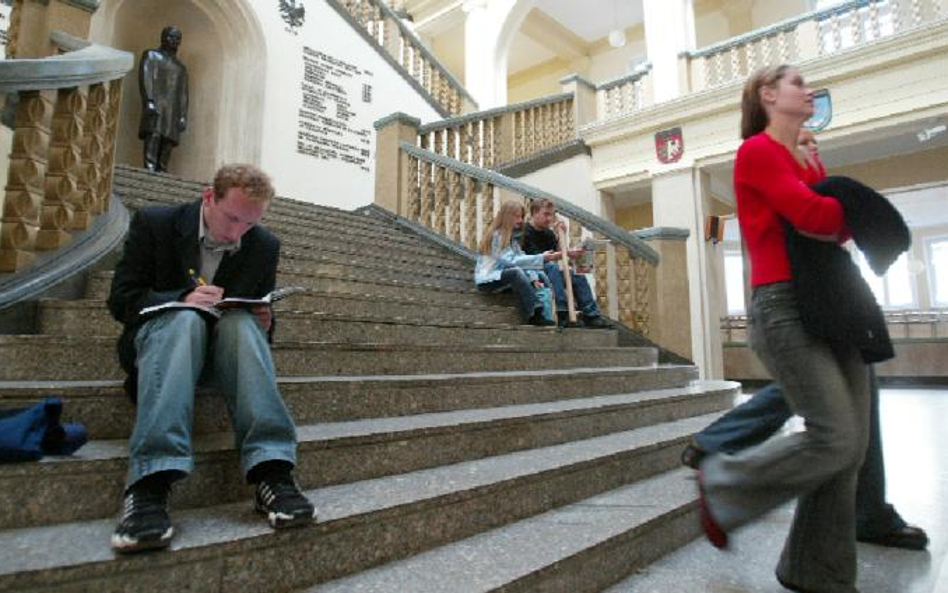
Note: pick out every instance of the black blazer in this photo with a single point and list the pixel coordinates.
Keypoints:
(160, 249)
(834, 300)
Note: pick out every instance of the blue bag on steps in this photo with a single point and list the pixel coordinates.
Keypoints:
(26, 434)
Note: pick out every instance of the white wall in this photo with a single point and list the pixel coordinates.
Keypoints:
(330, 182)
(571, 180)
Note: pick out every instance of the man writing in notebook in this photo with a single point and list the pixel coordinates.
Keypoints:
(199, 253)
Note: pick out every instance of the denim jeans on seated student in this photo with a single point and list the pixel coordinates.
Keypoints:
(582, 293)
(179, 349)
(521, 283)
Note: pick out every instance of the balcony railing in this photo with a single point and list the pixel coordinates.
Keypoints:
(60, 173)
(384, 27)
(626, 94)
(809, 36)
(901, 325)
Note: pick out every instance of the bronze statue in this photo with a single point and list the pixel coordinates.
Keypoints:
(163, 84)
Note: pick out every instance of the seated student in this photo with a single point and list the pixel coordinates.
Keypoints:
(539, 237)
(169, 252)
(501, 263)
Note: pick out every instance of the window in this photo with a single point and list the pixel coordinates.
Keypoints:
(895, 290)
(938, 266)
(734, 281)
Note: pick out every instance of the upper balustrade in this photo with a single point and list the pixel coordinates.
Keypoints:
(60, 173)
(810, 36)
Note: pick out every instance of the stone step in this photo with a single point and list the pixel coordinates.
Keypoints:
(582, 547)
(86, 485)
(303, 221)
(47, 358)
(51, 311)
(107, 413)
(362, 524)
(427, 294)
(378, 270)
(64, 318)
(379, 256)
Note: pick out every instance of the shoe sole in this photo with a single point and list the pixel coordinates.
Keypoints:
(279, 521)
(123, 545)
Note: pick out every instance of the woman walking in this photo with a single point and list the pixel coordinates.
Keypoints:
(824, 382)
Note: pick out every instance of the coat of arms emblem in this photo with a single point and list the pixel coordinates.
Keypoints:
(293, 13)
(669, 145)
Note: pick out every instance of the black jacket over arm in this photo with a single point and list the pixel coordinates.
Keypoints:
(161, 248)
(834, 300)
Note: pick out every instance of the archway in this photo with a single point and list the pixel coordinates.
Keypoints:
(225, 52)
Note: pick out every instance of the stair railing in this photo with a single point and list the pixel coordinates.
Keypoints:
(60, 170)
(457, 200)
(384, 27)
(811, 35)
(625, 94)
(496, 136)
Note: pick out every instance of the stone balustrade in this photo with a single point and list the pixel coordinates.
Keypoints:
(60, 170)
(807, 37)
(626, 94)
(457, 201)
(383, 26)
(496, 136)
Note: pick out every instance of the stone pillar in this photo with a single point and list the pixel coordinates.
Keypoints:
(584, 99)
(482, 81)
(391, 163)
(679, 200)
(669, 30)
(670, 306)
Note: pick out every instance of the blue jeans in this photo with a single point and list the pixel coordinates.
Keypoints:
(521, 284)
(179, 349)
(828, 385)
(757, 419)
(585, 301)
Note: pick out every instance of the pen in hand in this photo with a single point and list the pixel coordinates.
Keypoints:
(196, 279)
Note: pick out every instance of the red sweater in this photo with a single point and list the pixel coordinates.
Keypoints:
(770, 185)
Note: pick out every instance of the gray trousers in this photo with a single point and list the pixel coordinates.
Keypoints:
(827, 384)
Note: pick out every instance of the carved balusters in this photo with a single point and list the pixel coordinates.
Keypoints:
(642, 273)
(575, 233)
(470, 212)
(414, 191)
(111, 136)
(601, 273)
(440, 201)
(426, 191)
(93, 153)
(487, 205)
(916, 12)
(61, 187)
(451, 135)
(454, 206)
(25, 178)
(855, 26)
(625, 286)
(874, 20)
(895, 11)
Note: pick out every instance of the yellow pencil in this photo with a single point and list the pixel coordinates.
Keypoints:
(197, 279)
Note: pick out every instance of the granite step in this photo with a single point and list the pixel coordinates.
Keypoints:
(362, 524)
(47, 358)
(429, 293)
(444, 263)
(378, 270)
(86, 485)
(63, 318)
(582, 547)
(107, 413)
(86, 315)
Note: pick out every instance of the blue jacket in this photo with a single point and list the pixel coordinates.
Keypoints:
(489, 266)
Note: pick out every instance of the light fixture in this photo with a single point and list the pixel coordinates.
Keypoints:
(616, 35)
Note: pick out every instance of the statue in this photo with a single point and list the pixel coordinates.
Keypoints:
(163, 84)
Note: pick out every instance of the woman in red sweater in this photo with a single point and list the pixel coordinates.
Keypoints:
(825, 383)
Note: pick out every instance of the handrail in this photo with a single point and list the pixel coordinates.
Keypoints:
(779, 27)
(389, 12)
(640, 71)
(613, 232)
(93, 64)
(479, 115)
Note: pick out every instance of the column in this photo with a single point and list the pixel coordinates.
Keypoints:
(679, 200)
(669, 30)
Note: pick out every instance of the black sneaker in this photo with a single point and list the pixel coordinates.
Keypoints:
(145, 523)
(280, 499)
(595, 322)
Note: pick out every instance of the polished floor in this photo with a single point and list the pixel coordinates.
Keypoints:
(915, 440)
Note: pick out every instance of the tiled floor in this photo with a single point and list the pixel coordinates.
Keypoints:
(915, 437)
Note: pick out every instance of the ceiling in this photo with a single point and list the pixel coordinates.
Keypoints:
(592, 19)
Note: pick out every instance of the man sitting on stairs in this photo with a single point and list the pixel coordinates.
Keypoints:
(169, 252)
(539, 237)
